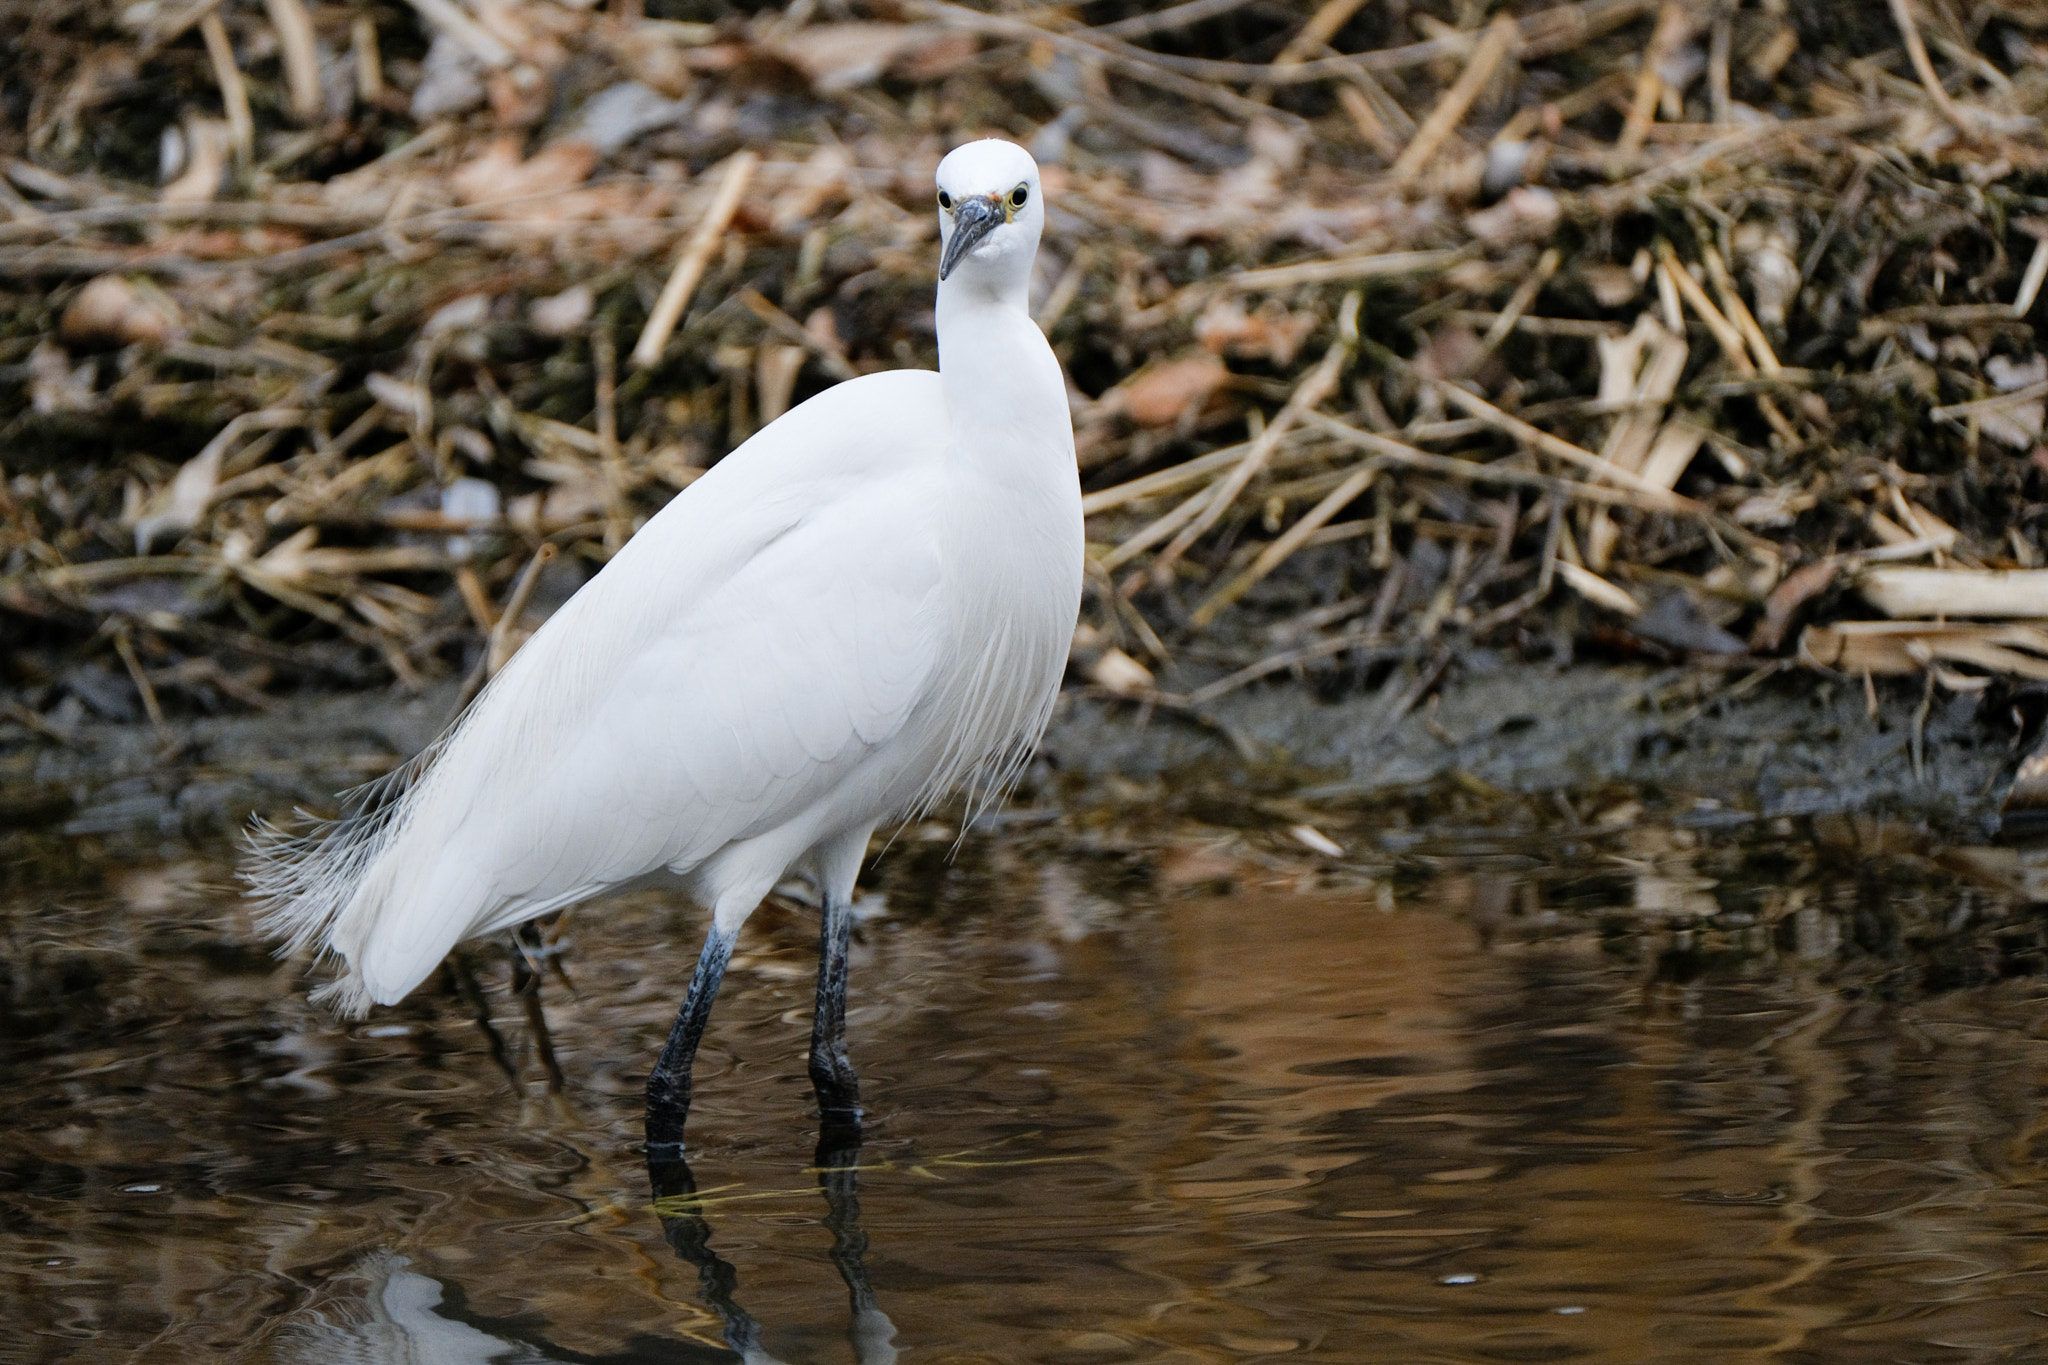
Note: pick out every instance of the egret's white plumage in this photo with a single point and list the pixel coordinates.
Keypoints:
(863, 607)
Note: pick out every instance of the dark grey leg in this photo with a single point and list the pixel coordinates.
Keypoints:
(668, 1085)
(832, 1074)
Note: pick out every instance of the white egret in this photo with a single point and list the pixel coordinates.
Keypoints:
(865, 606)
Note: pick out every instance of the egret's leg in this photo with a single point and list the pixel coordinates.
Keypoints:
(668, 1085)
(837, 863)
(832, 1074)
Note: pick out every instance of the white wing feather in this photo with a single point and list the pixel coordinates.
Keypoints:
(741, 658)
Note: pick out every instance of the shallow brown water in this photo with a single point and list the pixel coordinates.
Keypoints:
(1664, 1094)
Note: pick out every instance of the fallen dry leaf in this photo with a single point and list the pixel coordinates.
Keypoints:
(1157, 397)
(841, 56)
(499, 173)
(1271, 333)
(113, 311)
(1798, 588)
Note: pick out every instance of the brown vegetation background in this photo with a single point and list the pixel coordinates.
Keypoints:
(338, 340)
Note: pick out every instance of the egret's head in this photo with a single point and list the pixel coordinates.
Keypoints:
(990, 211)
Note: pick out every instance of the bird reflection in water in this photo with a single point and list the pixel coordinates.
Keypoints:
(837, 1163)
(402, 1320)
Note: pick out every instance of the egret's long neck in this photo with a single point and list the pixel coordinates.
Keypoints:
(1003, 386)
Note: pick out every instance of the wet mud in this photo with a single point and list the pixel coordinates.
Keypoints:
(1699, 745)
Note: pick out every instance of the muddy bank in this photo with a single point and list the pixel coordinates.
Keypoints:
(1500, 741)
(1671, 739)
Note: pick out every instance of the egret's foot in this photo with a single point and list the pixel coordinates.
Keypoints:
(668, 1112)
(832, 1075)
(840, 1134)
(837, 1088)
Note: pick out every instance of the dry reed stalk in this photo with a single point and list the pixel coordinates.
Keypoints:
(1450, 110)
(1473, 471)
(689, 266)
(1322, 26)
(1173, 17)
(1307, 395)
(502, 642)
(1283, 548)
(368, 60)
(1519, 301)
(832, 361)
(1160, 529)
(1164, 481)
(2030, 283)
(1135, 62)
(1738, 312)
(125, 647)
(1371, 127)
(1978, 407)
(1923, 67)
(234, 93)
(1730, 338)
(1546, 33)
(294, 28)
(1673, 25)
(1343, 270)
(1661, 499)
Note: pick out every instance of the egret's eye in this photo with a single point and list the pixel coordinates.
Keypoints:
(945, 201)
(1018, 196)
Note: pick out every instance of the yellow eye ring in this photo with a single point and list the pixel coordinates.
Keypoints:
(1018, 196)
(945, 201)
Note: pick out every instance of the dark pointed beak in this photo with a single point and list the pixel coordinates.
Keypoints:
(973, 220)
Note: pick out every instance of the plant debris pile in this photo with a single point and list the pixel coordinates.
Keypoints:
(338, 340)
